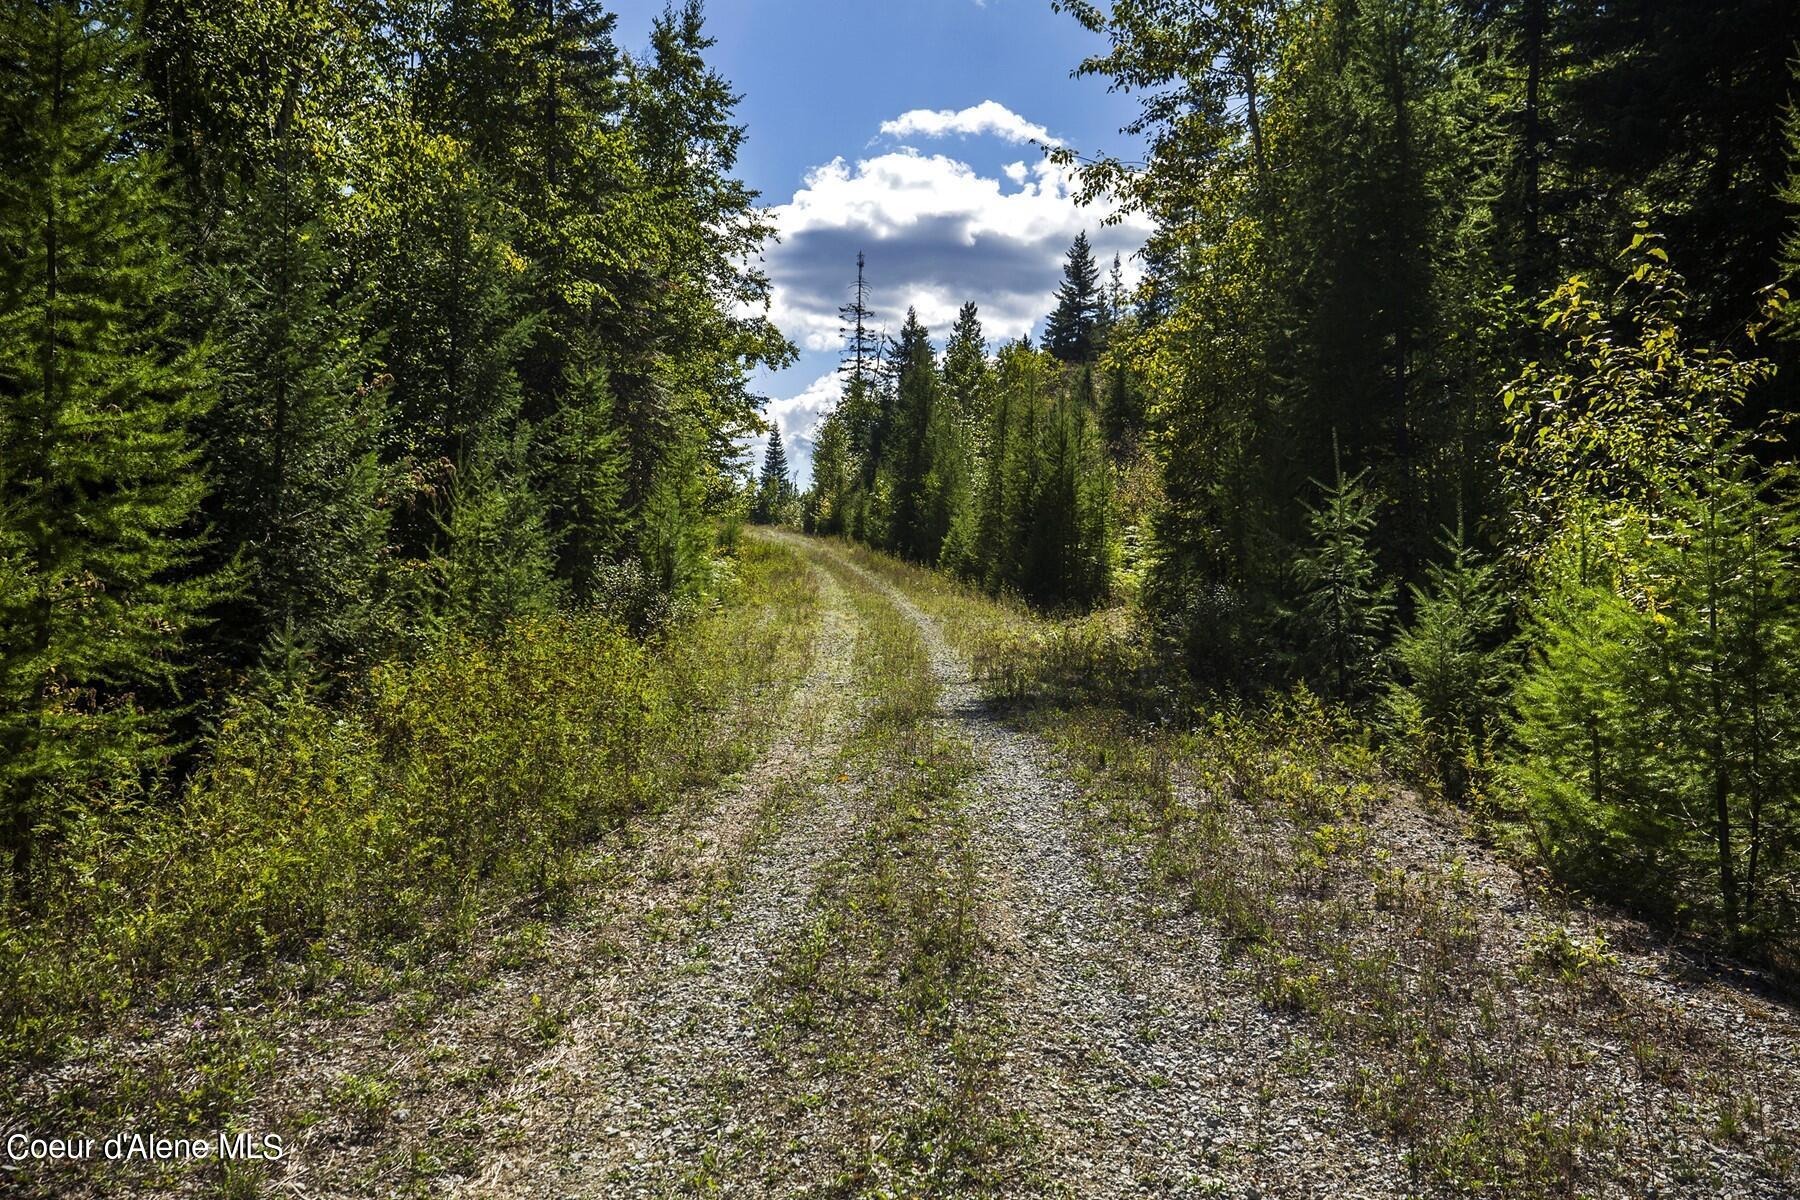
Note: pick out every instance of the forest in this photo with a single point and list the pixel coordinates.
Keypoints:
(404, 668)
(1455, 391)
(335, 340)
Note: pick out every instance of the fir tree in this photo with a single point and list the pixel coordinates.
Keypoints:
(1452, 667)
(1346, 604)
(994, 499)
(295, 437)
(774, 487)
(581, 476)
(99, 478)
(492, 562)
(1070, 332)
(966, 372)
(1065, 546)
(832, 473)
(1654, 719)
(457, 430)
(674, 541)
(914, 530)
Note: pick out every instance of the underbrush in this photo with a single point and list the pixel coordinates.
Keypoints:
(1471, 1049)
(318, 839)
(1486, 1043)
(1476, 1018)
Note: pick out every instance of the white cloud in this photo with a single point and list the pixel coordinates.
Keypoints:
(989, 117)
(798, 419)
(937, 232)
(799, 416)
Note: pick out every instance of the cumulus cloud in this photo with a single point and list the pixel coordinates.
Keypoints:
(988, 117)
(937, 232)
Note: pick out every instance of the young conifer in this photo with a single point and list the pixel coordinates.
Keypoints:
(99, 479)
(1346, 604)
(294, 439)
(773, 487)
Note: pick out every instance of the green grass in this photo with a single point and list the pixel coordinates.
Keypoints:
(338, 849)
(1264, 819)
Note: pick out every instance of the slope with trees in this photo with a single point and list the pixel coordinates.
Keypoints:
(340, 346)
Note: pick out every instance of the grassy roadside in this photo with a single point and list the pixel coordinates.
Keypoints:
(405, 847)
(1470, 1015)
(880, 1012)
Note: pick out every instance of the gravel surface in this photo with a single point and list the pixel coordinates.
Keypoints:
(637, 1087)
(628, 1053)
(1149, 1072)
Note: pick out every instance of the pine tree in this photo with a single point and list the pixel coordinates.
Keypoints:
(294, 439)
(1070, 332)
(99, 478)
(1346, 603)
(774, 487)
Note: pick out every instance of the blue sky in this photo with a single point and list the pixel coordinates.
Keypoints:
(902, 129)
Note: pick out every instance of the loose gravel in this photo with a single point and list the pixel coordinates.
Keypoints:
(1151, 1073)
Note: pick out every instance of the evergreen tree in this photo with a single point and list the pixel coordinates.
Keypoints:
(674, 543)
(861, 341)
(1065, 548)
(966, 372)
(1655, 717)
(997, 496)
(1672, 113)
(914, 530)
(774, 487)
(581, 464)
(689, 321)
(452, 296)
(294, 439)
(491, 562)
(1346, 604)
(1071, 331)
(99, 477)
(1452, 667)
(832, 474)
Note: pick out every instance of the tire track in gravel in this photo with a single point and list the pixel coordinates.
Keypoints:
(1148, 1071)
(637, 1086)
(468, 1088)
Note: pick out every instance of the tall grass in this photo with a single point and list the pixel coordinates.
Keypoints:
(463, 781)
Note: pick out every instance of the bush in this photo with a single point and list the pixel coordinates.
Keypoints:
(1454, 669)
(465, 779)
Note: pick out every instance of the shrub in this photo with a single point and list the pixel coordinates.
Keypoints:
(465, 779)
